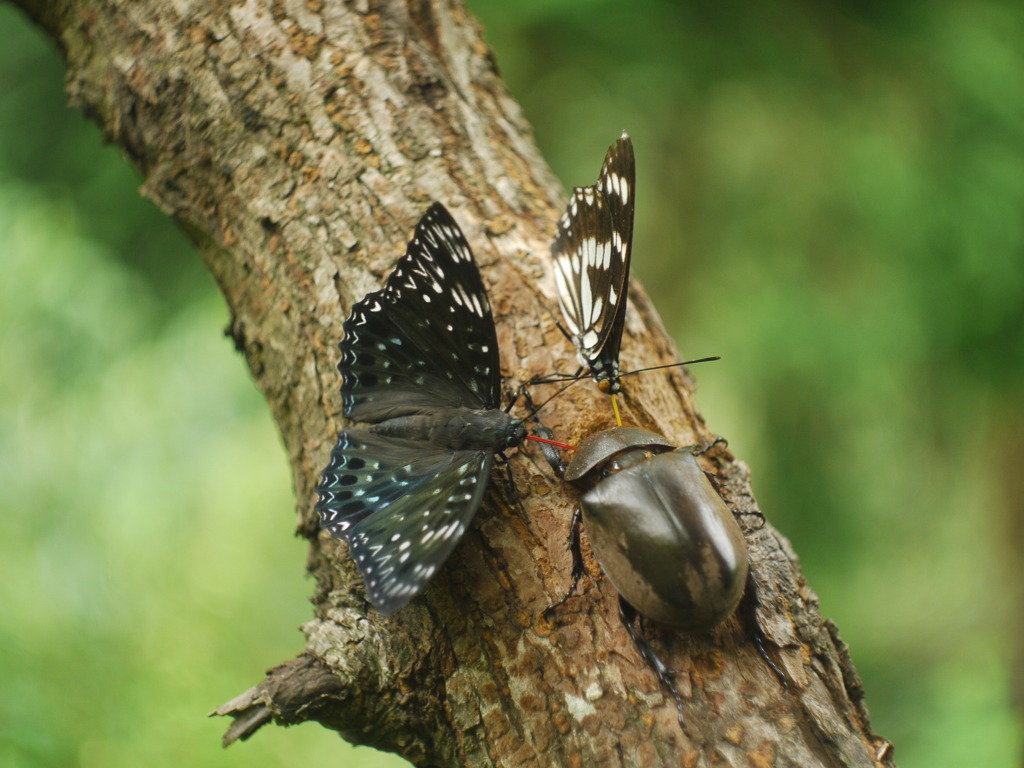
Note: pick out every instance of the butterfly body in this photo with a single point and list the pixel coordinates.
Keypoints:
(457, 429)
(420, 366)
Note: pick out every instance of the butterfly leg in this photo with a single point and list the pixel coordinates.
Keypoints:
(748, 616)
(554, 319)
(628, 616)
(521, 392)
(524, 392)
(575, 530)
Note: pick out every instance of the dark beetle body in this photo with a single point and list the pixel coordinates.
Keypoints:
(659, 529)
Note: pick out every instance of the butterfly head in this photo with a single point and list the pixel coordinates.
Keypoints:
(515, 433)
(610, 386)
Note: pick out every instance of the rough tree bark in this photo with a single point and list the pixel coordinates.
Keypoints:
(298, 142)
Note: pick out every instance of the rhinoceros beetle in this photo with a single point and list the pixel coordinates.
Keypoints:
(663, 536)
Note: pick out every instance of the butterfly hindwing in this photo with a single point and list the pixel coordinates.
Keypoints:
(399, 548)
(427, 338)
(591, 251)
(367, 472)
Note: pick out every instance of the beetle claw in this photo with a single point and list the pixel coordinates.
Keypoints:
(754, 513)
(709, 446)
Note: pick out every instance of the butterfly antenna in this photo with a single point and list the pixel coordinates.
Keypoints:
(669, 365)
(559, 378)
(557, 394)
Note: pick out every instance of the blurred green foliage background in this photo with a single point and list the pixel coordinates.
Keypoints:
(830, 196)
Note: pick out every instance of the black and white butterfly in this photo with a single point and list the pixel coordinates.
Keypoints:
(420, 364)
(591, 253)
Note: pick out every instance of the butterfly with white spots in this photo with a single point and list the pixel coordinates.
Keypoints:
(420, 365)
(591, 253)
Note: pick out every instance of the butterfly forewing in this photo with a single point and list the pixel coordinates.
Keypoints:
(591, 252)
(427, 338)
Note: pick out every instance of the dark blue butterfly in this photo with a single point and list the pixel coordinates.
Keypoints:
(419, 363)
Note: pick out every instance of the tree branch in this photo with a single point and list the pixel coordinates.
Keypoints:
(298, 143)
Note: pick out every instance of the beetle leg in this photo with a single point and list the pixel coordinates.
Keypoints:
(627, 615)
(717, 485)
(712, 477)
(709, 446)
(748, 613)
(753, 513)
(551, 454)
(575, 528)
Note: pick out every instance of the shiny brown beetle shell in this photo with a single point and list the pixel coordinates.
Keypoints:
(659, 529)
